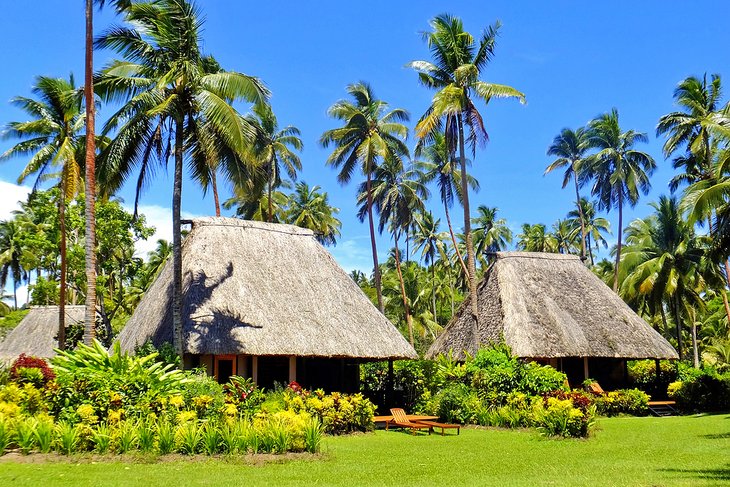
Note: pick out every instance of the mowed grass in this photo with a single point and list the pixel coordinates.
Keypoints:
(691, 450)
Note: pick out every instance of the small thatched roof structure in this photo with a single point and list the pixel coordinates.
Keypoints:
(36, 333)
(549, 306)
(263, 289)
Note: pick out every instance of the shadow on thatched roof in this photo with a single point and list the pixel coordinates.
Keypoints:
(551, 305)
(36, 333)
(263, 289)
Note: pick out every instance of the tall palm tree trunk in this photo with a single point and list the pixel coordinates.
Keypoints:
(582, 218)
(406, 309)
(271, 184)
(15, 295)
(453, 240)
(727, 272)
(618, 244)
(678, 327)
(433, 290)
(90, 210)
(62, 283)
(216, 200)
(376, 266)
(177, 325)
(695, 346)
(471, 265)
(590, 249)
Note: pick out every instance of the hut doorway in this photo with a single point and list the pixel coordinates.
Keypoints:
(224, 366)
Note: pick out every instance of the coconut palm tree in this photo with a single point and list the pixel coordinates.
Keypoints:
(54, 140)
(256, 205)
(595, 226)
(565, 236)
(440, 166)
(309, 208)
(274, 148)
(491, 234)
(536, 238)
(430, 242)
(11, 256)
(371, 132)
(570, 147)
(397, 195)
(664, 264)
(173, 106)
(157, 258)
(618, 171)
(459, 61)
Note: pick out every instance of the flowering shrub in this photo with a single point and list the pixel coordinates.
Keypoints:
(31, 369)
(624, 401)
(338, 413)
(560, 417)
(243, 394)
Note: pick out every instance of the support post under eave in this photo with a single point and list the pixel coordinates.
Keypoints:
(585, 368)
(389, 385)
(292, 369)
(255, 369)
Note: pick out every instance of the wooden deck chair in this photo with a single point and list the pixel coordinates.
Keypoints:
(595, 388)
(401, 420)
(443, 426)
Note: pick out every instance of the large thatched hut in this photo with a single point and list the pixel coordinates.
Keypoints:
(36, 333)
(266, 301)
(551, 308)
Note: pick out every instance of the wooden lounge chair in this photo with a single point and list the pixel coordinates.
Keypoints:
(595, 388)
(401, 420)
(443, 426)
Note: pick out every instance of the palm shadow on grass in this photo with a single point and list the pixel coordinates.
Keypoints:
(714, 474)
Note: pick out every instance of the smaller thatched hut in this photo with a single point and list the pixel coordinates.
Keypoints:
(551, 308)
(266, 301)
(37, 333)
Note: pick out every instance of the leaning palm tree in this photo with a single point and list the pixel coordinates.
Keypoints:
(371, 133)
(570, 148)
(397, 194)
(174, 106)
(459, 60)
(440, 166)
(54, 141)
(274, 148)
(619, 172)
(309, 208)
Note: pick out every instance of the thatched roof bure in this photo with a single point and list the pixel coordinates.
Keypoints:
(263, 289)
(36, 333)
(549, 306)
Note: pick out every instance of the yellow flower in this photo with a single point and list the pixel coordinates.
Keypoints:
(177, 401)
(114, 416)
(230, 410)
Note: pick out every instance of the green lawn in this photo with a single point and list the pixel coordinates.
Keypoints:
(693, 450)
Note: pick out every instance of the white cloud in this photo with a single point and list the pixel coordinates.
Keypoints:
(353, 254)
(10, 195)
(159, 217)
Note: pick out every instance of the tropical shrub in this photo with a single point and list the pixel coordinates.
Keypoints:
(642, 373)
(560, 417)
(338, 413)
(33, 370)
(705, 390)
(624, 401)
(244, 395)
(411, 379)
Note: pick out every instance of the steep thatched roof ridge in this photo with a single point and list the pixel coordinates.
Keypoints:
(263, 289)
(36, 333)
(551, 305)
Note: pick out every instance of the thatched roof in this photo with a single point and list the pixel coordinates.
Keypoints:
(263, 289)
(551, 305)
(36, 333)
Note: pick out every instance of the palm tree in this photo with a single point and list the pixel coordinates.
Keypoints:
(440, 165)
(273, 148)
(371, 133)
(174, 105)
(157, 258)
(664, 258)
(564, 235)
(310, 208)
(570, 148)
(11, 256)
(397, 194)
(491, 234)
(619, 172)
(52, 138)
(595, 226)
(430, 242)
(536, 238)
(458, 62)
(258, 206)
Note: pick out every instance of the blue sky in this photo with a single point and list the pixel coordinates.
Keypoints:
(573, 60)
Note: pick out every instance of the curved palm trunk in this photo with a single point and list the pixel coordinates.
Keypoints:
(177, 325)
(618, 245)
(90, 210)
(590, 249)
(214, 183)
(62, 283)
(409, 321)
(376, 266)
(582, 218)
(471, 265)
(453, 240)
